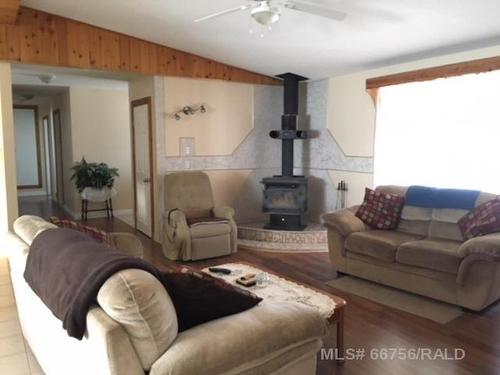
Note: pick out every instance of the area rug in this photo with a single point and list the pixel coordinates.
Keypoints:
(436, 311)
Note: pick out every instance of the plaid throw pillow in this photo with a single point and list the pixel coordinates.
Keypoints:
(97, 234)
(482, 220)
(380, 211)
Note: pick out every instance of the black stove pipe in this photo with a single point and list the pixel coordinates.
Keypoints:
(289, 131)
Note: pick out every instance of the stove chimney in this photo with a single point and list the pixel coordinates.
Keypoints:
(285, 196)
(289, 131)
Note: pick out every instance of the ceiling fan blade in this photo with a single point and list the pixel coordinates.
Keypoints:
(316, 10)
(223, 13)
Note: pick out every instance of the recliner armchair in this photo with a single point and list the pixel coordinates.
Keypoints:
(193, 228)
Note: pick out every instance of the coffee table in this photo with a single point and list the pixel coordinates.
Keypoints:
(279, 289)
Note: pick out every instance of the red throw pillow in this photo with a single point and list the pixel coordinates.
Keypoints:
(97, 234)
(199, 297)
(482, 220)
(379, 210)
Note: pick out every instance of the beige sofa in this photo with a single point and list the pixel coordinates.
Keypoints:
(133, 329)
(426, 254)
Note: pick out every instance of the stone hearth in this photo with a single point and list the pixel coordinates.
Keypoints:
(255, 237)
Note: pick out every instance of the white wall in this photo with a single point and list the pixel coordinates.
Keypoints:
(141, 87)
(8, 184)
(100, 131)
(221, 129)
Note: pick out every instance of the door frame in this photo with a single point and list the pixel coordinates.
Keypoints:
(34, 108)
(48, 152)
(60, 198)
(136, 103)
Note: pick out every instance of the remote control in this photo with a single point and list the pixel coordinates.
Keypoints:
(225, 271)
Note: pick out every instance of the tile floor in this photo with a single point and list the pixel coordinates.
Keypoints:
(15, 355)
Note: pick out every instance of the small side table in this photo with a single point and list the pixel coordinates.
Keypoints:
(108, 208)
(103, 195)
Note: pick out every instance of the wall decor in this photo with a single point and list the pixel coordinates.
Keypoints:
(188, 110)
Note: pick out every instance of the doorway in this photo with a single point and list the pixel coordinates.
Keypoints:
(142, 147)
(27, 137)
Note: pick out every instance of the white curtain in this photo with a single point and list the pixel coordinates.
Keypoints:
(441, 133)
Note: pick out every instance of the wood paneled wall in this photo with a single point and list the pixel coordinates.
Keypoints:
(8, 10)
(42, 38)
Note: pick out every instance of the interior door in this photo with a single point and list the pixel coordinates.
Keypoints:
(27, 136)
(143, 165)
(58, 160)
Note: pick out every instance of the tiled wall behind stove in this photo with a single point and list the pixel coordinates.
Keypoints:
(260, 156)
(319, 155)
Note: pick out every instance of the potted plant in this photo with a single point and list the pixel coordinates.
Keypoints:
(94, 181)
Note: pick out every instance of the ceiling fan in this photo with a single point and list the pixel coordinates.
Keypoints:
(268, 12)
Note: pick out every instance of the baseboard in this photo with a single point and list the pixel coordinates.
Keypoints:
(125, 215)
(124, 212)
(70, 212)
(34, 193)
(120, 214)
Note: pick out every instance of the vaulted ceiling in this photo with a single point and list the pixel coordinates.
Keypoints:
(375, 33)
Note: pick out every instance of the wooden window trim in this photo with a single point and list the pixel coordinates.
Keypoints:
(444, 71)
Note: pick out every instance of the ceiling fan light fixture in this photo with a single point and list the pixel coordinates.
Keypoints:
(265, 14)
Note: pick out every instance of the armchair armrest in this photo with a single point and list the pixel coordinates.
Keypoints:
(479, 249)
(175, 218)
(176, 239)
(486, 246)
(344, 221)
(127, 243)
(224, 212)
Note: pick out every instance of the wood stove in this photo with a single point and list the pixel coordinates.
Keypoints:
(285, 196)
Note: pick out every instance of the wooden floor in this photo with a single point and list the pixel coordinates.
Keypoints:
(368, 325)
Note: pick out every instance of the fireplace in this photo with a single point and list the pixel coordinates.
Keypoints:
(285, 199)
(285, 196)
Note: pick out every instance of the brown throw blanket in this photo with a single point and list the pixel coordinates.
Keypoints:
(67, 268)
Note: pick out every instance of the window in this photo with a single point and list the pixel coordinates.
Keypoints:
(441, 133)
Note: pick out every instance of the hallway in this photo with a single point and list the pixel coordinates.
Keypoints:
(41, 206)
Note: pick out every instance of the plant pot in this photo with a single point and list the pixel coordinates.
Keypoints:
(98, 195)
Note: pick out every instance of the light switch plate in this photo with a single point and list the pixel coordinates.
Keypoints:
(187, 146)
